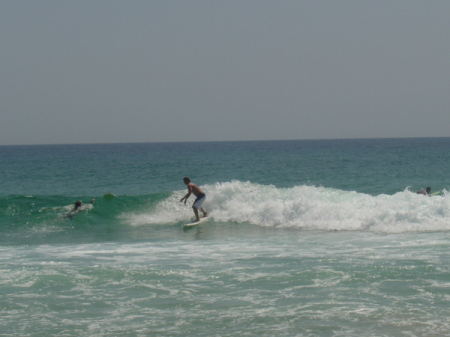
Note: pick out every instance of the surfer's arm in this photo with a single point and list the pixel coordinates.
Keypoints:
(185, 198)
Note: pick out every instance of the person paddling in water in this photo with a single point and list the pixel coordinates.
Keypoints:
(201, 197)
(76, 209)
(426, 192)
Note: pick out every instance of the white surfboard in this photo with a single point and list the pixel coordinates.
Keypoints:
(193, 224)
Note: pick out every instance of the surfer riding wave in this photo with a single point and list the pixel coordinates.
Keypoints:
(201, 197)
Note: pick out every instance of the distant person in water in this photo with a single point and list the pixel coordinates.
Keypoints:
(201, 197)
(426, 192)
(77, 205)
(76, 209)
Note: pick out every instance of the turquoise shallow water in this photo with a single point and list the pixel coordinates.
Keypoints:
(304, 238)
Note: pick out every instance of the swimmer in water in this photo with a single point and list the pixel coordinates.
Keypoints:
(426, 192)
(76, 209)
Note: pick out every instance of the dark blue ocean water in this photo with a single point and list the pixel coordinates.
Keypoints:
(303, 238)
(372, 166)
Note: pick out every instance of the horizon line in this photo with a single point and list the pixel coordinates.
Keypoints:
(224, 141)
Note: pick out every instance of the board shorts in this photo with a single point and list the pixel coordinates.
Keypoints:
(199, 201)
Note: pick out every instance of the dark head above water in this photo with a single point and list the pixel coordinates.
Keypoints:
(426, 192)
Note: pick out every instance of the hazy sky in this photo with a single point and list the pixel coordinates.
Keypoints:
(156, 71)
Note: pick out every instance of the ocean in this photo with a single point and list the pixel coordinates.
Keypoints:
(303, 238)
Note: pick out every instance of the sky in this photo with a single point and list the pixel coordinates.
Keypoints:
(108, 71)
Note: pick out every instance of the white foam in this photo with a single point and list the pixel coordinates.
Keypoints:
(308, 207)
(170, 210)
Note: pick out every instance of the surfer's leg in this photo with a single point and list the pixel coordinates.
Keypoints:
(198, 204)
(197, 218)
(204, 212)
